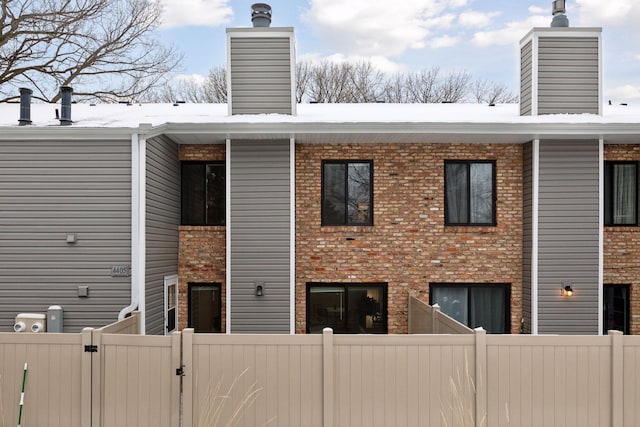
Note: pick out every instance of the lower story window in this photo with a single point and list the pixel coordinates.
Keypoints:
(475, 305)
(205, 307)
(354, 308)
(616, 308)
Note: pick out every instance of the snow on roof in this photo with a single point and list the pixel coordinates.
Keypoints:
(131, 116)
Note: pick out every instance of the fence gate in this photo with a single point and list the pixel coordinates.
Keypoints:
(133, 379)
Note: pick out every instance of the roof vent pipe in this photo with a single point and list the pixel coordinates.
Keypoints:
(25, 106)
(559, 17)
(65, 95)
(261, 15)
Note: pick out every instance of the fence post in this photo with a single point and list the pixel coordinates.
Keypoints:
(617, 379)
(410, 314)
(435, 319)
(187, 378)
(85, 378)
(481, 377)
(136, 316)
(327, 377)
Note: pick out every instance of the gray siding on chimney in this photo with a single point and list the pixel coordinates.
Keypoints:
(161, 230)
(260, 236)
(568, 76)
(568, 236)
(261, 72)
(526, 84)
(527, 232)
(51, 189)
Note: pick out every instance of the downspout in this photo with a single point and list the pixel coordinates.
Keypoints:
(135, 221)
(138, 244)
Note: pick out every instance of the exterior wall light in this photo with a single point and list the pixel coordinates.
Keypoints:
(567, 291)
(259, 289)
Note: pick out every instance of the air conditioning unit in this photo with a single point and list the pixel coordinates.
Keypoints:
(30, 322)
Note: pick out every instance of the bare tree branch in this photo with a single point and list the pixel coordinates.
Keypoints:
(351, 82)
(105, 49)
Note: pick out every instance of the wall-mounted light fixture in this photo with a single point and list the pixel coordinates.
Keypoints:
(71, 238)
(567, 290)
(259, 288)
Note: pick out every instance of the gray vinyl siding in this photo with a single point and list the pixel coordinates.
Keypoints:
(260, 236)
(49, 190)
(527, 232)
(568, 78)
(526, 84)
(261, 70)
(568, 236)
(162, 222)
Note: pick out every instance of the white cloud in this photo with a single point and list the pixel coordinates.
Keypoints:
(511, 33)
(195, 78)
(475, 19)
(607, 13)
(180, 13)
(623, 93)
(379, 27)
(443, 42)
(379, 62)
(537, 10)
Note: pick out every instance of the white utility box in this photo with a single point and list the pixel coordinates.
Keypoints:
(30, 322)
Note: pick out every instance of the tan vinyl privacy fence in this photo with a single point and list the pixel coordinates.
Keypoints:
(427, 319)
(320, 380)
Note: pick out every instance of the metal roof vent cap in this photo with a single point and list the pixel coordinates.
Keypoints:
(65, 95)
(25, 106)
(261, 15)
(559, 17)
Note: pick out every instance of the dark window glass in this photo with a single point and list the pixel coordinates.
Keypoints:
(616, 308)
(205, 307)
(171, 307)
(475, 305)
(469, 193)
(347, 193)
(620, 193)
(203, 193)
(347, 309)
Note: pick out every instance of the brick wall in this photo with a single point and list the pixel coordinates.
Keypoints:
(202, 257)
(622, 244)
(409, 247)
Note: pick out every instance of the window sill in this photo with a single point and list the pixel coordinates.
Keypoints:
(471, 229)
(622, 228)
(346, 229)
(211, 228)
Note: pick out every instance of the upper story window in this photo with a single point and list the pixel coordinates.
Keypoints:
(470, 192)
(203, 193)
(620, 193)
(347, 192)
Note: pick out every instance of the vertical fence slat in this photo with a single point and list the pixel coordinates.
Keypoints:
(85, 379)
(187, 379)
(327, 377)
(97, 365)
(617, 379)
(481, 412)
(176, 361)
